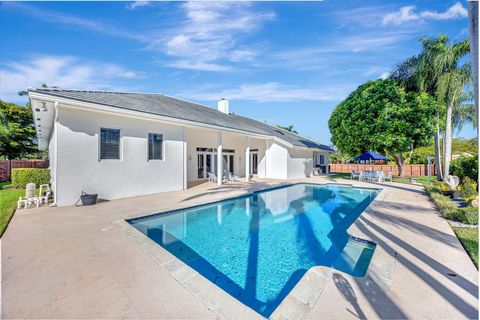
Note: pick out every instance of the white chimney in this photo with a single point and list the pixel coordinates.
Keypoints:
(223, 106)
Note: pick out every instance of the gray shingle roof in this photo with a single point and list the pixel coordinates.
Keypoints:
(159, 104)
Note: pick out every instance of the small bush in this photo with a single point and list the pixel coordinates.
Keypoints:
(469, 189)
(432, 189)
(20, 177)
(443, 186)
(444, 205)
(465, 167)
(468, 215)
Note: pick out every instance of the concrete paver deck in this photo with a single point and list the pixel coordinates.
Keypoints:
(72, 262)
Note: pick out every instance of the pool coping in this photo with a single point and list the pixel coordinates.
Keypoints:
(299, 301)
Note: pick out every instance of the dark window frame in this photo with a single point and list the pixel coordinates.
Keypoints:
(151, 153)
(103, 143)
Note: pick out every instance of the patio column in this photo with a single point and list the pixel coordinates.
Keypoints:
(247, 159)
(328, 165)
(219, 159)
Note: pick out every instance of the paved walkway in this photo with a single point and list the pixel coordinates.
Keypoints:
(72, 262)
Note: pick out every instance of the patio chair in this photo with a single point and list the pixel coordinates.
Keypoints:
(230, 177)
(354, 175)
(212, 177)
(389, 176)
(364, 175)
(373, 176)
(381, 176)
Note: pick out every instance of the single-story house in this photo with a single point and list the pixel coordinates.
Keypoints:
(121, 144)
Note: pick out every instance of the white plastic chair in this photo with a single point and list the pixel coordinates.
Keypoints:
(354, 175)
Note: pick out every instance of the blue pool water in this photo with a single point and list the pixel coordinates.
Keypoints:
(257, 247)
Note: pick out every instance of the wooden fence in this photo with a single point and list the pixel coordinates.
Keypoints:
(6, 166)
(411, 170)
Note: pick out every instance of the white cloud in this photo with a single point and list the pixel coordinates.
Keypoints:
(270, 92)
(408, 14)
(137, 4)
(61, 71)
(457, 11)
(211, 34)
(198, 65)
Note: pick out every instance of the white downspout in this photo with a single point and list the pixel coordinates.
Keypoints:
(55, 156)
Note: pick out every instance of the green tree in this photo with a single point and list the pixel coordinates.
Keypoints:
(20, 137)
(436, 70)
(288, 128)
(380, 115)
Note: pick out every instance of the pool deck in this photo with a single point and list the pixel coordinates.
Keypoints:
(75, 262)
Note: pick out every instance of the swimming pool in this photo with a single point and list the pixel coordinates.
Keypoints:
(257, 247)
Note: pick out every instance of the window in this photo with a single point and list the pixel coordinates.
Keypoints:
(155, 146)
(322, 159)
(109, 144)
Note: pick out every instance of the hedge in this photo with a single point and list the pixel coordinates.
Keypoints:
(22, 176)
(449, 210)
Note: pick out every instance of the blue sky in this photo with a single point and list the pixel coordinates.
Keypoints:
(280, 62)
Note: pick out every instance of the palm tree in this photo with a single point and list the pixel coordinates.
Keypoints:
(436, 71)
(288, 128)
(450, 87)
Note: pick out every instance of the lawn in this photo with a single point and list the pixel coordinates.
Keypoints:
(469, 239)
(421, 179)
(8, 202)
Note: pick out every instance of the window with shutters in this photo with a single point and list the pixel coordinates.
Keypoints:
(109, 144)
(155, 146)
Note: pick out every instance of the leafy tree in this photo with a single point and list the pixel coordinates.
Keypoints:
(380, 115)
(288, 128)
(20, 137)
(339, 157)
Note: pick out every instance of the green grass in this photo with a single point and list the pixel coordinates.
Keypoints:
(469, 239)
(421, 179)
(8, 203)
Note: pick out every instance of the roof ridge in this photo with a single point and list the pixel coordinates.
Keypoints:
(95, 91)
(127, 92)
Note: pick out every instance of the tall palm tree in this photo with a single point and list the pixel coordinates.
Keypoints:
(450, 88)
(436, 70)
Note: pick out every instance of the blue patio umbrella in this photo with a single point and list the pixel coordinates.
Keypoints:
(370, 155)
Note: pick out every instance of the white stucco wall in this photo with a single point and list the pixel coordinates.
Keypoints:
(299, 163)
(277, 161)
(79, 167)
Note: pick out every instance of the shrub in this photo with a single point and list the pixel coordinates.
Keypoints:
(468, 215)
(471, 215)
(442, 186)
(469, 189)
(432, 189)
(20, 177)
(444, 205)
(465, 167)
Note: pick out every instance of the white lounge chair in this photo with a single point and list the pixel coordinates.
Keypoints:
(230, 177)
(212, 177)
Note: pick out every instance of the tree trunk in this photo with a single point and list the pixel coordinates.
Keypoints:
(438, 158)
(400, 161)
(447, 150)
